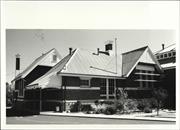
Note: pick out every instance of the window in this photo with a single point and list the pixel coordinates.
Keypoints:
(174, 53)
(149, 71)
(143, 71)
(54, 58)
(169, 54)
(161, 56)
(165, 55)
(157, 57)
(84, 82)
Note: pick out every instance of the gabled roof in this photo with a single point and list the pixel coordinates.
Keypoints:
(58, 67)
(167, 49)
(130, 58)
(84, 62)
(36, 62)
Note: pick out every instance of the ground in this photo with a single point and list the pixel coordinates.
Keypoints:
(40, 119)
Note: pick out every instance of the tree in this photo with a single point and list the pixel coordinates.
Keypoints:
(9, 95)
(160, 95)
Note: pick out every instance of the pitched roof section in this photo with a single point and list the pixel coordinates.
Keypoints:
(36, 62)
(58, 67)
(166, 49)
(84, 62)
(130, 58)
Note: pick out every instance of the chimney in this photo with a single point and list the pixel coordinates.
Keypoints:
(17, 62)
(162, 46)
(108, 45)
(70, 51)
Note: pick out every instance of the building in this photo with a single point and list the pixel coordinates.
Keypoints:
(167, 58)
(89, 75)
(36, 69)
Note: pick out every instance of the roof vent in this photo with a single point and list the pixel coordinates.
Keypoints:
(98, 51)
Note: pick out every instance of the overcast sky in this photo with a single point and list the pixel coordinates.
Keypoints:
(30, 44)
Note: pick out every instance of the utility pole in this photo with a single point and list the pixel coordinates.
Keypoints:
(116, 53)
(116, 66)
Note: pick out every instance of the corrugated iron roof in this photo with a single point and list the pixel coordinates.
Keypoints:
(168, 65)
(85, 62)
(166, 49)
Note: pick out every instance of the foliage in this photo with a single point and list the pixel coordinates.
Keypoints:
(86, 107)
(147, 110)
(160, 95)
(9, 95)
(76, 107)
(153, 102)
(119, 105)
(143, 103)
(121, 96)
(96, 102)
(110, 110)
(107, 102)
(130, 105)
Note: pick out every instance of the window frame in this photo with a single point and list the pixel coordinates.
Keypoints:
(85, 85)
(54, 58)
(165, 55)
(169, 54)
(162, 56)
(157, 57)
(173, 54)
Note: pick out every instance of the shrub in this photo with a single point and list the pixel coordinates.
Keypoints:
(86, 107)
(119, 105)
(130, 105)
(147, 110)
(160, 95)
(96, 102)
(76, 107)
(107, 102)
(153, 103)
(143, 103)
(110, 111)
(89, 112)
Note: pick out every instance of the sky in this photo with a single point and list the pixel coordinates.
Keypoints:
(31, 43)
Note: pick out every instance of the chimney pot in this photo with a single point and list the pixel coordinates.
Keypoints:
(162, 46)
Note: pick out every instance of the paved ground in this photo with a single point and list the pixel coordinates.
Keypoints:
(40, 119)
